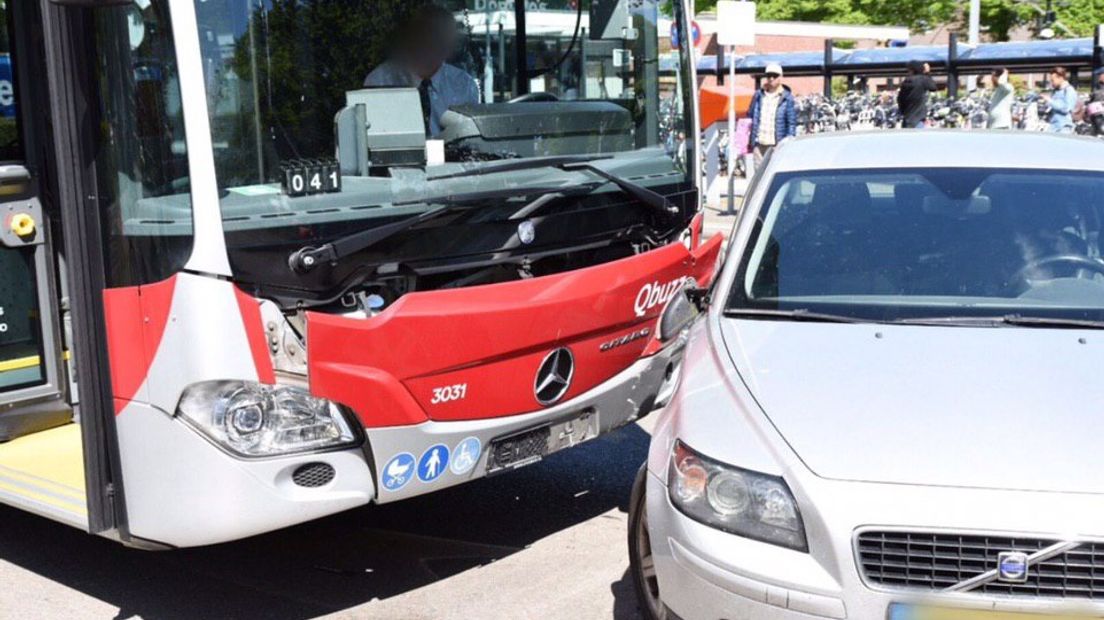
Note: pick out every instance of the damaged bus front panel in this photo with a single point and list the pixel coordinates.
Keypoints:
(361, 251)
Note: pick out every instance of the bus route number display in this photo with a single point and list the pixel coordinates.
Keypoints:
(302, 177)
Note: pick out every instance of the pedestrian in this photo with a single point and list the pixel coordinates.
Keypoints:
(1063, 101)
(1000, 101)
(912, 98)
(773, 114)
(1095, 110)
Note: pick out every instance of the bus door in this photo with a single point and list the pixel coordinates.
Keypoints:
(31, 354)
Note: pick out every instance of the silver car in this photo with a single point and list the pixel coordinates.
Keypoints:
(892, 406)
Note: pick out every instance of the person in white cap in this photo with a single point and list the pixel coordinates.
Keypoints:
(773, 113)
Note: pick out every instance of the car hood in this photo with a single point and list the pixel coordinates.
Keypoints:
(996, 407)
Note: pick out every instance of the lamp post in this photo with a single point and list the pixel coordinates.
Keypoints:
(735, 26)
(975, 36)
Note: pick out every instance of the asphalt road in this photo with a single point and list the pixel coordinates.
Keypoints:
(547, 541)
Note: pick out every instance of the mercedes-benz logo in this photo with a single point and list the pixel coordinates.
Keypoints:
(554, 376)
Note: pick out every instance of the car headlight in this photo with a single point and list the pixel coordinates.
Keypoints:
(253, 419)
(735, 500)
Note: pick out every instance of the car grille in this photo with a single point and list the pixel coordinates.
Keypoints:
(936, 561)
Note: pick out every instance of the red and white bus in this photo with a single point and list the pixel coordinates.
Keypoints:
(268, 260)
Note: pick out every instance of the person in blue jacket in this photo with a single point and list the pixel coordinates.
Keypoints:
(773, 113)
(1063, 101)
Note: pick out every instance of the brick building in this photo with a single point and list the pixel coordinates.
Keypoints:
(778, 37)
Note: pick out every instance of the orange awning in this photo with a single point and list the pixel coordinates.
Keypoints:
(713, 103)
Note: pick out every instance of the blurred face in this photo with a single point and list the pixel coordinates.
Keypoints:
(1057, 79)
(771, 81)
(433, 46)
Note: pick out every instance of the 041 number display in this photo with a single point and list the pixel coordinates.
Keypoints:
(302, 177)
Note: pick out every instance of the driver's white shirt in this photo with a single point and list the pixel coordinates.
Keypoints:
(448, 87)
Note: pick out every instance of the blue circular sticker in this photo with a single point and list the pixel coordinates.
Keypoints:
(398, 471)
(433, 463)
(465, 455)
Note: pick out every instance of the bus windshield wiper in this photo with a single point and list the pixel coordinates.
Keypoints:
(514, 165)
(654, 201)
(308, 257)
(799, 314)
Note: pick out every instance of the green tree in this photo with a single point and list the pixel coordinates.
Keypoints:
(1081, 16)
(998, 17)
(916, 14)
(301, 56)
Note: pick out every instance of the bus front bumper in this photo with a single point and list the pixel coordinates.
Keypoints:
(422, 458)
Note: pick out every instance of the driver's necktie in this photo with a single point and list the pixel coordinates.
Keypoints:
(423, 94)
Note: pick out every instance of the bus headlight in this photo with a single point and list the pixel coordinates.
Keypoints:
(253, 419)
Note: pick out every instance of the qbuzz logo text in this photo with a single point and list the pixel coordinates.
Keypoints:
(655, 294)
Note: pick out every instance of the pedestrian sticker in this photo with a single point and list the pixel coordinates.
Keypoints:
(433, 463)
(465, 456)
(398, 471)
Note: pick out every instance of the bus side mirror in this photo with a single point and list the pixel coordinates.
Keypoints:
(685, 306)
(92, 4)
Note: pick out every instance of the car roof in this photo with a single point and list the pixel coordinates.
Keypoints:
(938, 148)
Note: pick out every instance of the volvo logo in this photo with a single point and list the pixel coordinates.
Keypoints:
(1012, 567)
(554, 376)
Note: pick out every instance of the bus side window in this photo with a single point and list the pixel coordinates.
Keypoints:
(142, 158)
(11, 148)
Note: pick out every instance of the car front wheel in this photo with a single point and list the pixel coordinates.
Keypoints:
(641, 559)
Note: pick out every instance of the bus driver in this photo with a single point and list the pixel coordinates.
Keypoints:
(418, 61)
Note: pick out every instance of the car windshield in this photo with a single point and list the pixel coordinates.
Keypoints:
(899, 244)
(329, 117)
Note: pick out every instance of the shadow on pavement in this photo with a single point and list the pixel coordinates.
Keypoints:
(624, 599)
(375, 552)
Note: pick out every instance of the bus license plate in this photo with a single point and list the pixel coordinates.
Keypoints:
(530, 446)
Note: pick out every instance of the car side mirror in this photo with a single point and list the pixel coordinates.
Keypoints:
(681, 310)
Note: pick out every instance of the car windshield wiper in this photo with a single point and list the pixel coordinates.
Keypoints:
(1017, 320)
(654, 201)
(1039, 321)
(799, 314)
(308, 257)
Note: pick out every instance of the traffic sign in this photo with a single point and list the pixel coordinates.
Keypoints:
(735, 23)
(695, 34)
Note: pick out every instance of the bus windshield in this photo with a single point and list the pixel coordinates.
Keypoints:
(329, 118)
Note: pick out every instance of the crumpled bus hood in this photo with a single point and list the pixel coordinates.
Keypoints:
(399, 367)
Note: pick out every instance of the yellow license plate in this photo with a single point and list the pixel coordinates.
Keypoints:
(911, 612)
